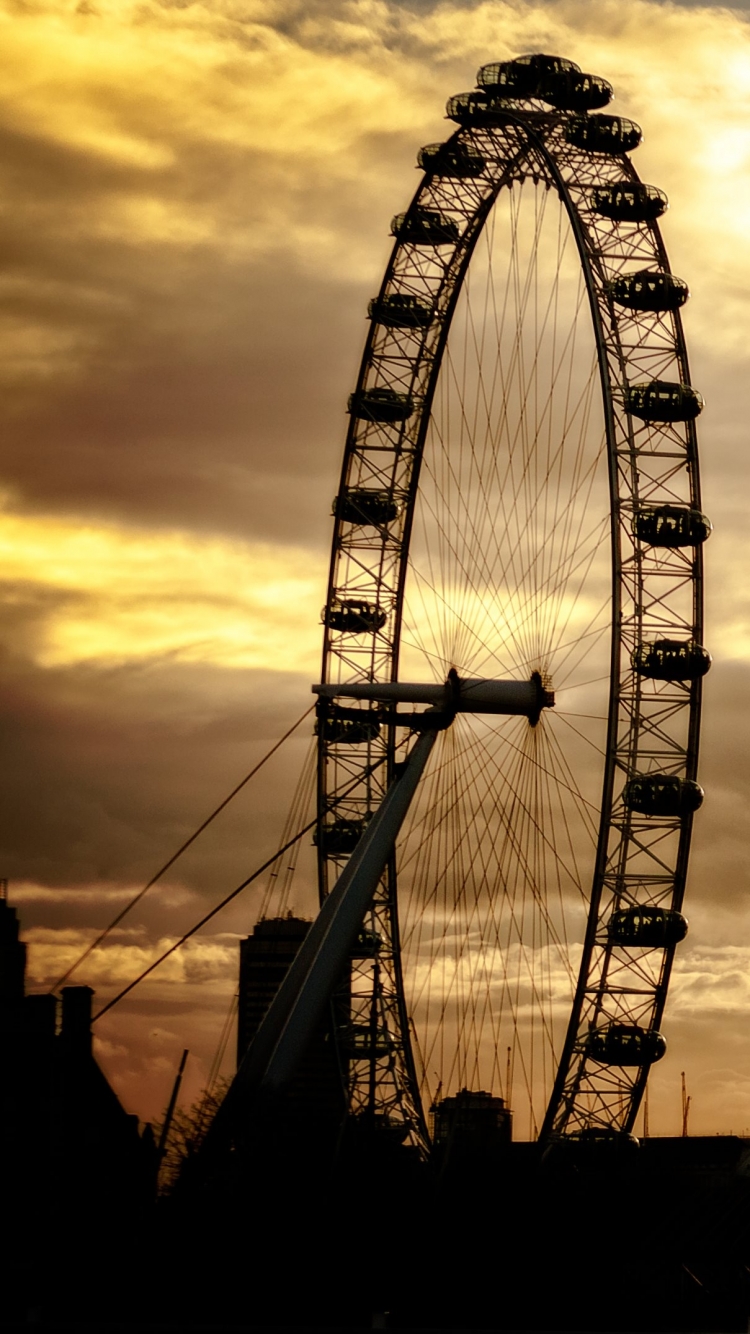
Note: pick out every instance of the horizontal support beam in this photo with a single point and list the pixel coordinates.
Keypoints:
(461, 695)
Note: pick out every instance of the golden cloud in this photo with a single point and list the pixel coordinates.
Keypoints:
(138, 594)
(202, 959)
(148, 138)
(145, 87)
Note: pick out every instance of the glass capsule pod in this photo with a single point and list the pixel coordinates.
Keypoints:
(367, 945)
(604, 1137)
(424, 226)
(340, 728)
(625, 1044)
(663, 401)
(351, 616)
(360, 1043)
(552, 78)
(629, 201)
(578, 92)
(361, 505)
(456, 161)
(663, 794)
(604, 134)
(595, 1149)
(341, 836)
(476, 108)
(507, 79)
(401, 311)
(649, 289)
(671, 526)
(671, 660)
(526, 76)
(381, 405)
(647, 927)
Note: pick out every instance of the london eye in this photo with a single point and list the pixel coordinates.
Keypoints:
(518, 543)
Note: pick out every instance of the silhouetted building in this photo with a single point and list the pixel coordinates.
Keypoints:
(470, 1123)
(265, 959)
(66, 1138)
(316, 1097)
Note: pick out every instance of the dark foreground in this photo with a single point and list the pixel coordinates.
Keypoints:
(284, 1237)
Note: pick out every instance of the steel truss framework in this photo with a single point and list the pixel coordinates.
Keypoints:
(656, 593)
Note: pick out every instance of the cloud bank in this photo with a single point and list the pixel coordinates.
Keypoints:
(196, 201)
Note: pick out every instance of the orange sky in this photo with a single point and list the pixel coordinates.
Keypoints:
(195, 210)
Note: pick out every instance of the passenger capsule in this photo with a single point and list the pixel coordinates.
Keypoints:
(381, 405)
(629, 201)
(649, 289)
(604, 134)
(625, 1044)
(506, 78)
(340, 836)
(360, 1043)
(362, 505)
(591, 1149)
(663, 794)
(647, 927)
(526, 76)
(424, 226)
(579, 92)
(348, 731)
(351, 616)
(672, 526)
(476, 108)
(367, 945)
(671, 660)
(401, 310)
(456, 161)
(663, 401)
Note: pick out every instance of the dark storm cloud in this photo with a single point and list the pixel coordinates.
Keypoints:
(173, 427)
(189, 387)
(108, 771)
(184, 308)
(105, 774)
(184, 292)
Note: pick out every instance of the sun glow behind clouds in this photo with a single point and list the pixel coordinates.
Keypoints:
(145, 140)
(124, 594)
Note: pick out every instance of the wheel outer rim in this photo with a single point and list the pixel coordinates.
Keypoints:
(539, 136)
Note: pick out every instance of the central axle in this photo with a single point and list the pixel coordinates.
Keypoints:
(459, 695)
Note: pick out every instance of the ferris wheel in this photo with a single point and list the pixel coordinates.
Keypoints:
(519, 509)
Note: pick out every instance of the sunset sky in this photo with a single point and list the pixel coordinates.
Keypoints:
(194, 211)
